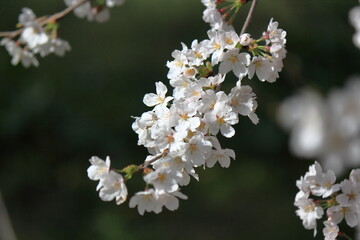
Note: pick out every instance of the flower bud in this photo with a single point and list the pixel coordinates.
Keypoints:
(245, 39)
(190, 72)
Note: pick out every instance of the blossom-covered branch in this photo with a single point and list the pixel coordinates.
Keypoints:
(44, 20)
(180, 131)
(39, 35)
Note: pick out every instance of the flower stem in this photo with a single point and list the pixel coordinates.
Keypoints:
(161, 155)
(341, 234)
(249, 16)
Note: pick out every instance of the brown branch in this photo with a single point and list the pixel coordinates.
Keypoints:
(52, 18)
(161, 155)
(249, 16)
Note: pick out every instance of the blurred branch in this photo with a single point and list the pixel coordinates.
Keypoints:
(50, 19)
(6, 230)
(249, 16)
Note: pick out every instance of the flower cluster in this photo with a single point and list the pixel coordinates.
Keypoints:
(98, 12)
(111, 184)
(180, 132)
(35, 38)
(325, 129)
(266, 61)
(39, 35)
(319, 194)
(354, 17)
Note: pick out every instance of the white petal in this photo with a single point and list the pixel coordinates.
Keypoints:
(227, 130)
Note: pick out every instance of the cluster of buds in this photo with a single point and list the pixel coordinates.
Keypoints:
(319, 194)
(354, 17)
(180, 132)
(39, 35)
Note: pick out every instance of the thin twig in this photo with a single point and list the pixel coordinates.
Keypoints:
(52, 18)
(11, 34)
(161, 155)
(6, 230)
(64, 12)
(249, 16)
(341, 234)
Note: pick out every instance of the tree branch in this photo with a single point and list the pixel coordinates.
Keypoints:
(161, 155)
(52, 18)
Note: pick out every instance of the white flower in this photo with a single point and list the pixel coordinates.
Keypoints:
(275, 34)
(262, 67)
(146, 201)
(350, 193)
(82, 11)
(27, 18)
(102, 15)
(33, 37)
(215, 46)
(349, 212)
(169, 200)
(178, 65)
(356, 39)
(308, 213)
(234, 61)
(309, 181)
(98, 168)
(113, 186)
(198, 150)
(152, 99)
(198, 53)
(168, 138)
(221, 119)
(19, 54)
(211, 15)
(209, 99)
(222, 156)
(305, 116)
(112, 3)
(325, 184)
(163, 179)
(331, 230)
(183, 169)
(212, 82)
(242, 101)
(193, 92)
(345, 107)
(354, 17)
(209, 3)
(355, 176)
(182, 117)
(245, 39)
(54, 45)
(229, 39)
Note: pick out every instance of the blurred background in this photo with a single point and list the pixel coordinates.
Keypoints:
(55, 117)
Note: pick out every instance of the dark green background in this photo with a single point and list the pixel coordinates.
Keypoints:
(55, 117)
